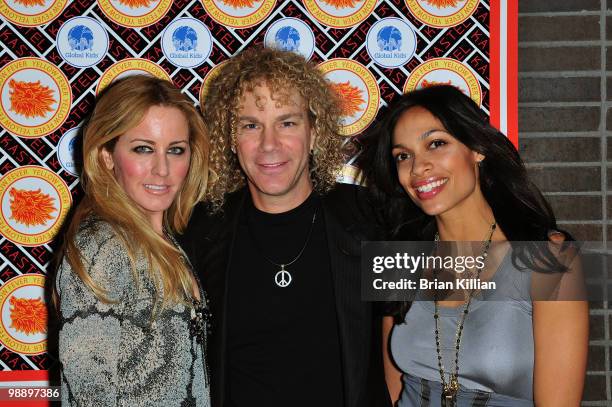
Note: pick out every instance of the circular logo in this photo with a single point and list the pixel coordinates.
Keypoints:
(135, 13)
(187, 42)
(34, 201)
(358, 92)
(239, 13)
(340, 13)
(66, 150)
(24, 314)
(282, 278)
(36, 97)
(291, 34)
(442, 13)
(210, 76)
(82, 42)
(130, 66)
(445, 71)
(391, 42)
(31, 13)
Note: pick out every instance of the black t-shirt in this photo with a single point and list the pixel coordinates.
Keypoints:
(283, 347)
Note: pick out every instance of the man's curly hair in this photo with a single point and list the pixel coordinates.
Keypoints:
(282, 72)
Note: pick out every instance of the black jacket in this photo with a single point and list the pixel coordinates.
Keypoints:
(209, 242)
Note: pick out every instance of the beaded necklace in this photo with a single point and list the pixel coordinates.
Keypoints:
(450, 389)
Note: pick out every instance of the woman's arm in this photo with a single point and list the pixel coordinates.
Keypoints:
(561, 334)
(393, 376)
(90, 334)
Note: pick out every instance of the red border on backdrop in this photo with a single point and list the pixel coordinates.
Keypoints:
(23, 375)
(494, 26)
(26, 376)
(511, 49)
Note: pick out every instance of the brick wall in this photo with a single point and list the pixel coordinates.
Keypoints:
(564, 97)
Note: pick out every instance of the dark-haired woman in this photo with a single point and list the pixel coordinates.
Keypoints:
(443, 173)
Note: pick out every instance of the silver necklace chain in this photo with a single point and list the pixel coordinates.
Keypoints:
(283, 277)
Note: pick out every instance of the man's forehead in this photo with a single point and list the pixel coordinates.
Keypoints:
(281, 96)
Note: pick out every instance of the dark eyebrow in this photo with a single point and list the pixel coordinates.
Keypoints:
(430, 132)
(142, 140)
(421, 137)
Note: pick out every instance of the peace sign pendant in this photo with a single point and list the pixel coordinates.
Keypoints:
(282, 278)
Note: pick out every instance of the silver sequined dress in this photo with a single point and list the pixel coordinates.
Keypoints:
(115, 354)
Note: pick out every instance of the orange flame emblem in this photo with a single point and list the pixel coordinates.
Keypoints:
(239, 3)
(350, 98)
(443, 3)
(136, 3)
(31, 208)
(31, 3)
(428, 84)
(30, 99)
(342, 3)
(28, 315)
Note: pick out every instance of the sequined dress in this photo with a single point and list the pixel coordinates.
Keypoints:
(116, 354)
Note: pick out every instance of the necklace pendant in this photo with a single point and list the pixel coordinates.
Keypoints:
(449, 397)
(282, 278)
(449, 392)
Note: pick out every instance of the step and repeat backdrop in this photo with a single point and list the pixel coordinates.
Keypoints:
(55, 56)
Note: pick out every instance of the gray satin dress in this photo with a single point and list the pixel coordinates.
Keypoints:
(496, 357)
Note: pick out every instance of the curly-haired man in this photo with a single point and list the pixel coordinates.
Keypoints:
(277, 244)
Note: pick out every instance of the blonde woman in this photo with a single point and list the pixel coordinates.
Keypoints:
(133, 314)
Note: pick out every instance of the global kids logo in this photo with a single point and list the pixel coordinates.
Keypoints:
(31, 13)
(24, 314)
(35, 97)
(340, 13)
(135, 13)
(82, 42)
(239, 13)
(291, 34)
(357, 90)
(445, 71)
(391, 42)
(34, 202)
(442, 13)
(66, 150)
(130, 66)
(187, 42)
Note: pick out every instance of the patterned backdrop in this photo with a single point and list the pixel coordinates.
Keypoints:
(56, 55)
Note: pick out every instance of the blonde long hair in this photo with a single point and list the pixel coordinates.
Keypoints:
(121, 107)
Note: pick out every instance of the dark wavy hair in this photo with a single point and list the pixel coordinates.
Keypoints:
(519, 208)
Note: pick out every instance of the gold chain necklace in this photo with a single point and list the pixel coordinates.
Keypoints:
(450, 389)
